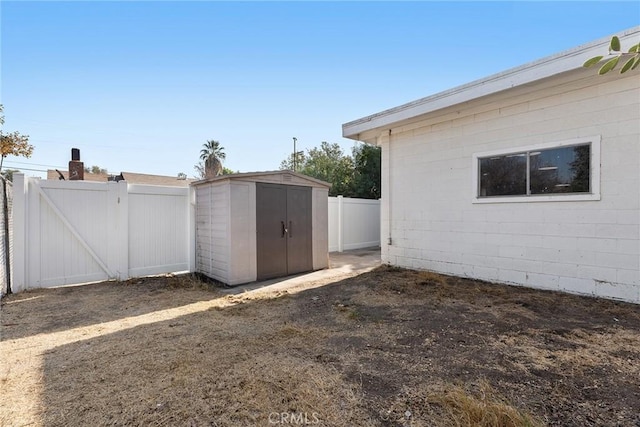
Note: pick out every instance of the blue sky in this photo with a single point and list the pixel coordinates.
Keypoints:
(140, 86)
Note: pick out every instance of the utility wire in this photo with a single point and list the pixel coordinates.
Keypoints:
(32, 164)
(29, 169)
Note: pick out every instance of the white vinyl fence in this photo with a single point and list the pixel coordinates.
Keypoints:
(353, 223)
(68, 232)
(6, 229)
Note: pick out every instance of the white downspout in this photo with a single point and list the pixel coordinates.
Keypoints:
(389, 193)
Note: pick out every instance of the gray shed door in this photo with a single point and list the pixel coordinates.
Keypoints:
(283, 225)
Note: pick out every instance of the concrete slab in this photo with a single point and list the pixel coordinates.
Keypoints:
(341, 265)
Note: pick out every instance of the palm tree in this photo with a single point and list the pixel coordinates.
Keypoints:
(212, 148)
(212, 154)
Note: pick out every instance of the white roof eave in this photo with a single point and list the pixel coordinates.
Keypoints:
(515, 77)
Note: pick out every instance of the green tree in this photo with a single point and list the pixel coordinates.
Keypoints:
(288, 163)
(212, 155)
(200, 172)
(367, 172)
(327, 163)
(95, 169)
(212, 148)
(227, 171)
(13, 144)
(631, 58)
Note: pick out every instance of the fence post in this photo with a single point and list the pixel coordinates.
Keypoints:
(191, 242)
(5, 270)
(19, 270)
(118, 223)
(340, 224)
(123, 230)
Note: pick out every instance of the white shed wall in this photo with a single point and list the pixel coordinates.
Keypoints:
(212, 230)
(586, 247)
(243, 252)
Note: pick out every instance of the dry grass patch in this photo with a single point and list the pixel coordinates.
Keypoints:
(576, 351)
(175, 281)
(476, 404)
(381, 349)
(270, 385)
(482, 407)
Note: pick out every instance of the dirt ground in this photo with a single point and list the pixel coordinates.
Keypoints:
(389, 347)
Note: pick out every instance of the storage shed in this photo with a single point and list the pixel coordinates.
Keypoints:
(262, 225)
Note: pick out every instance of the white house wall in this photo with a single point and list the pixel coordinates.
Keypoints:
(586, 247)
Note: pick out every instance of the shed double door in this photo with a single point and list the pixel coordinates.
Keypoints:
(283, 226)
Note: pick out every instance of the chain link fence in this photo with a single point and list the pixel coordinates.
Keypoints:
(6, 235)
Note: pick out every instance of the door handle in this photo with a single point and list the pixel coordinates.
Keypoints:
(290, 228)
(284, 229)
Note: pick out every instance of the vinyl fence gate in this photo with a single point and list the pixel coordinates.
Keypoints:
(70, 232)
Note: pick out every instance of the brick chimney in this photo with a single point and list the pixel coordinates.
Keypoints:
(76, 167)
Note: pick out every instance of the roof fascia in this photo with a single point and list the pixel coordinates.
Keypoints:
(526, 74)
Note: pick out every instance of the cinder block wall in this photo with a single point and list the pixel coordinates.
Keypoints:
(586, 247)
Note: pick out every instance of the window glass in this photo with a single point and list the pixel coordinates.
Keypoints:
(559, 170)
(503, 175)
(549, 171)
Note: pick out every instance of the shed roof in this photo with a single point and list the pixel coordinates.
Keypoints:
(277, 177)
(368, 128)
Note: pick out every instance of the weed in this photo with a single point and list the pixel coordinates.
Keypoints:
(354, 315)
(484, 408)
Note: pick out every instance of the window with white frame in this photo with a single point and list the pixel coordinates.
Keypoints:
(547, 170)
